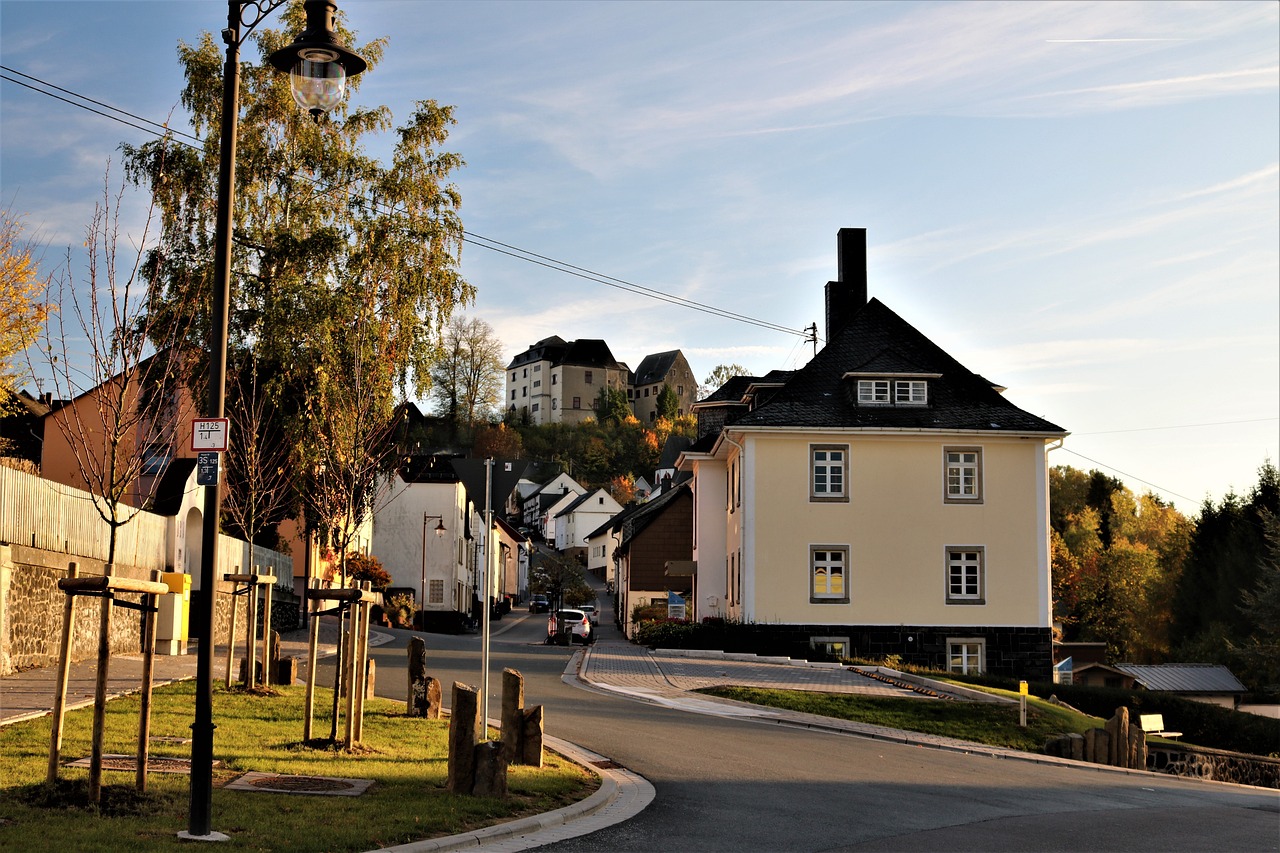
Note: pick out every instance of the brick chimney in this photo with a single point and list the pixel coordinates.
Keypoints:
(847, 295)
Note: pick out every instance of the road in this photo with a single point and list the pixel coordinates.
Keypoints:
(732, 785)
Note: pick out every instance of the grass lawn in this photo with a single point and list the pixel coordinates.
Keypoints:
(995, 725)
(405, 757)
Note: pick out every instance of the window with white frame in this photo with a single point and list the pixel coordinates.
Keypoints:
(966, 583)
(963, 474)
(827, 572)
(967, 655)
(836, 647)
(828, 472)
(873, 392)
(911, 392)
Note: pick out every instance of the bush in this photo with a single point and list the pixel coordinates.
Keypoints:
(364, 567)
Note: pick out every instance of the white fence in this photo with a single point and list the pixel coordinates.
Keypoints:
(53, 517)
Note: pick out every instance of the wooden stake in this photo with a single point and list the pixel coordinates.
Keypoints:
(151, 602)
(231, 637)
(64, 672)
(100, 693)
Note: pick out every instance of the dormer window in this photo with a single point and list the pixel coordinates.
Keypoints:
(873, 392)
(910, 392)
(911, 389)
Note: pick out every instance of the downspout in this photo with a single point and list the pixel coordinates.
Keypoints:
(748, 590)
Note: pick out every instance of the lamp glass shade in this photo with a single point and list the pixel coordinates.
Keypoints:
(318, 86)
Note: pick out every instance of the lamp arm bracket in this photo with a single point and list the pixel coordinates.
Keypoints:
(244, 15)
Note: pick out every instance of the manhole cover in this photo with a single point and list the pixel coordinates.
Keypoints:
(284, 784)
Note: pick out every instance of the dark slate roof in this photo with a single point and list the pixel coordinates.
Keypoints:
(172, 486)
(1184, 677)
(876, 340)
(654, 368)
(645, 513)
(731, 391)
(548, 349)
(582, 498)
(430, 469)
(676, 444)
(588, 352)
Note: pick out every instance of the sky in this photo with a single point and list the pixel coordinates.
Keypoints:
(1079, 201)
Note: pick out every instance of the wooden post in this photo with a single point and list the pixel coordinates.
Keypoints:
(313, 642)
(149, 616)
(251, 635)
(266, 635)
(531, 737)
(362, 679)
(512, 714)
(416, 701)
(231, 637)
(338, 663)
(100, 693)
(464, 734)
(64, 672)
(354, 678)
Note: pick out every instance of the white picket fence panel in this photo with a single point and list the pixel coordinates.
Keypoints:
(55, 517)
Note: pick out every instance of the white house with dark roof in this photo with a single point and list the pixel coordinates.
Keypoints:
(883, 499)
(583, 516)
(557, 381)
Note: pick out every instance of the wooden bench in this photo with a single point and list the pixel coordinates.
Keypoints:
(1153, 724)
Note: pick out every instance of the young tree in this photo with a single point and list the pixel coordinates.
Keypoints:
(22, 311)
(668, 403)
(122, 417)
(260, 488)
(719, 375)
(612, 407)
(326, 239)
(466, 381)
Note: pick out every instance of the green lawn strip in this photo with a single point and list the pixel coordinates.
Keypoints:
(405, 757)
(979, 722)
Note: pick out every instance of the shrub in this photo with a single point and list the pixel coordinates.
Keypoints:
(364, 567)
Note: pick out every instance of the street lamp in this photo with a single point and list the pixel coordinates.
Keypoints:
(422, 594)
(316, 52)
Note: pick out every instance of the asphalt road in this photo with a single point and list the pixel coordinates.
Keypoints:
(734, 785)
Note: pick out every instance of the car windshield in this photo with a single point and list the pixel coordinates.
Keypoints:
(571, 615)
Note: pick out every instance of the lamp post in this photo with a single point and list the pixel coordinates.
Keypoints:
(318, 65)
(422, 594)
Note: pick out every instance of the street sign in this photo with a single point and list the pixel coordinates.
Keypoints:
(210, 434)
(207, 468)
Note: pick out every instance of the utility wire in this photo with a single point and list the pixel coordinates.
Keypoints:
(1125, 474)
(1178, 426)
(474, 239)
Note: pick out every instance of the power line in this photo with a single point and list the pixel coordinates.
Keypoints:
(474, 239)
(1125, 474)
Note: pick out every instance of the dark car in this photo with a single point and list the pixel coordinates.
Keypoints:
(539, 604)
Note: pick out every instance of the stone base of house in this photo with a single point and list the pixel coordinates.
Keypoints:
(1011, 652)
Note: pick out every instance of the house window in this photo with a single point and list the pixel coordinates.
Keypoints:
(155, 458)
(535, 407)
(963, 474)
(524, 392)
(513, 393)
(965, 581)
(873, 392)
(537, 383)
(646, 392)
(555, 378)
(525, 373)
(836, 647)
(827, 574)
(827, 470)
(577, 402)
(966, 655)
(435, 592)
(555, 404)
(587, 377)
(537, 368)
(513, 376)
(679, 390)
(911, 392)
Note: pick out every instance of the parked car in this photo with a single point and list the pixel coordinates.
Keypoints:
(590, 610)
(539, 604)
(568, 626)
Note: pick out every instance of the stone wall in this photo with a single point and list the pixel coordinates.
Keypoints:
(32, 605)
(1215, 764)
